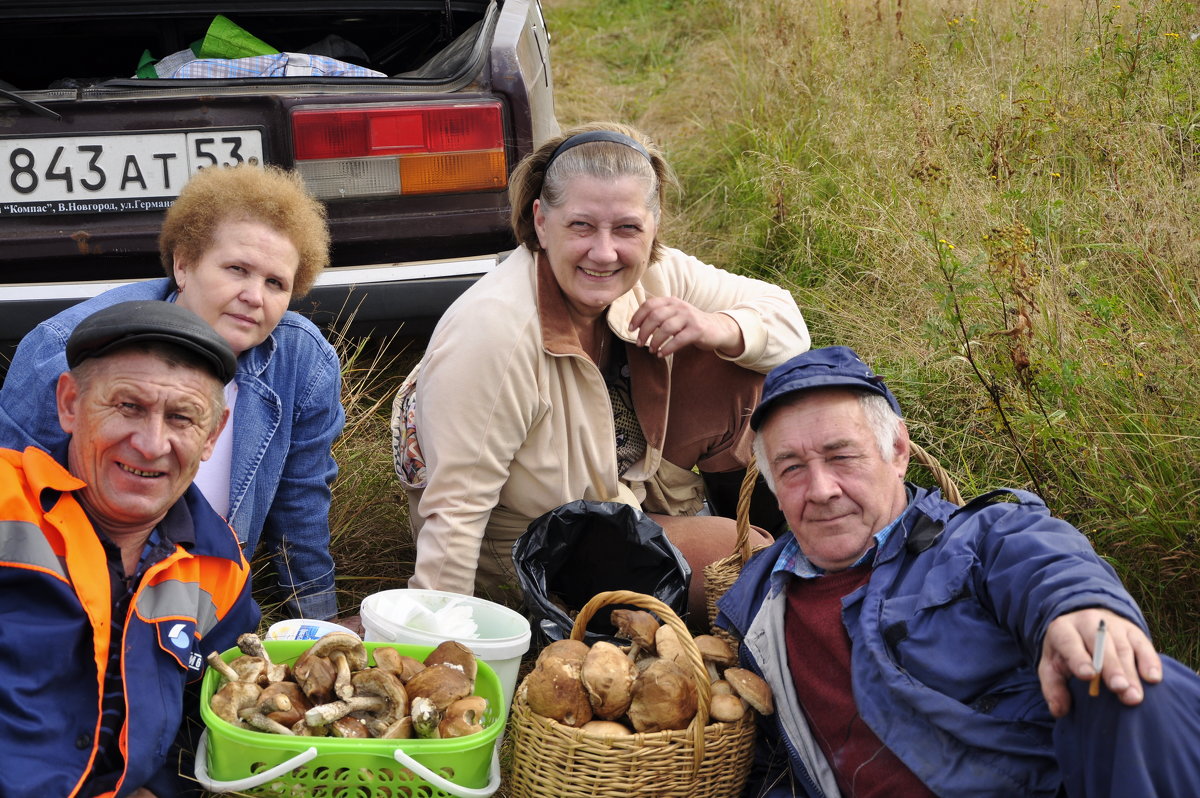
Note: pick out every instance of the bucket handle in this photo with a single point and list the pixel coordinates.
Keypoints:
(448, 786)
(250, 782)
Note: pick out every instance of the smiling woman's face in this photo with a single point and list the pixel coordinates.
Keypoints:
(598, 241)
(242, 284)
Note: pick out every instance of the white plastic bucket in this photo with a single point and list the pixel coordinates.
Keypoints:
(503, 634)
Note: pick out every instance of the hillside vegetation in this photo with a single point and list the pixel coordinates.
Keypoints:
(994, 203)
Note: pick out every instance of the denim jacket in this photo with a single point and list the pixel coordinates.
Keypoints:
(288, 414)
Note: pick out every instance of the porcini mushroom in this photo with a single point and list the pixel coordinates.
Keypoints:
(607, 675)
(222, 667)
(554, 689)
(252, 644)
(669, 647)
(636, 626)
(348, 654)
(443, 684)
(400, 730)
(278, 694)
(568, 649)
(664, 697)
(255, 717)
(348, 727)
(455, 654)
(715, 653)
(606, 728)
(399, 665)
(380, 683)
(250, 669)
(323, 714)
(232, 698)
(726, 707)
(752, 688)
(463, 717)
(425, 717)
(316, 676)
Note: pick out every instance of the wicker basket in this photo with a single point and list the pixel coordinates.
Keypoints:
(703, 761)
(719, 576)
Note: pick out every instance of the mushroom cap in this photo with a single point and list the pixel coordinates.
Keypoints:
(606, 728)
(452, 652)
(399, 665)
(568, 649)
(315, 675)
(608, 675)
(637, 626)
(720, 686)
(715, 650)
(463, 717)
(664, 697)
(751, 687)
(400, 730)
(295, 696)
(249, 668)
(443, 684)
(381, 683)
(348, 727)
(554, 689)
(232, 698)
(344, 643)
(726, 707)
(669, 647)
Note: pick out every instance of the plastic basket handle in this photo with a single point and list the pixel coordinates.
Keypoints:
(250, 782)
(448, 786)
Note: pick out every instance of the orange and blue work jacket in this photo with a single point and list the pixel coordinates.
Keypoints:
(55, 625)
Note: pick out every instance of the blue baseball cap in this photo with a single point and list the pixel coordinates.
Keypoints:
(828, 367)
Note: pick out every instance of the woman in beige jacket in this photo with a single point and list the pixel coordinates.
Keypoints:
(593, 363)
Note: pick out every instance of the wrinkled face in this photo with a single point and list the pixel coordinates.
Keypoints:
(834, 487)
(242, 284)
(139, 428)
(598, 240)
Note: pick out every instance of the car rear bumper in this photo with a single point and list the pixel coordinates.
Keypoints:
(365, 298)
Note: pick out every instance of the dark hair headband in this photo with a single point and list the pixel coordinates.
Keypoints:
(597, 135)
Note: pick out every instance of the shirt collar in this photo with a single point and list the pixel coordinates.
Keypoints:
(792, 562)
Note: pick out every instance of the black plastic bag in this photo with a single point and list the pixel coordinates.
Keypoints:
(580, 549)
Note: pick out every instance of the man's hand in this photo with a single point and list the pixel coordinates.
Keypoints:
(666, 324)
(1129, 658)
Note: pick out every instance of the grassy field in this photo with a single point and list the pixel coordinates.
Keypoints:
(994, 203)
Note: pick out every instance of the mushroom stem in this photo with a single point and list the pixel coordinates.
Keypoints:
(255, 717)
(222, 667)
(324, 714)
(341, 683)
(252, 644)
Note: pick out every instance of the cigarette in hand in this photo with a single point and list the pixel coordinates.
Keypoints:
(1098, 659)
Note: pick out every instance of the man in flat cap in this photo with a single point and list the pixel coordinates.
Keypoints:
(919, 648)
(116, 576)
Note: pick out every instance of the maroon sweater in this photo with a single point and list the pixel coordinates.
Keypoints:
(818, 650)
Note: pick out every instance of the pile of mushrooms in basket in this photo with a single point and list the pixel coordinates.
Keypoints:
(331, 691)
(607, 691)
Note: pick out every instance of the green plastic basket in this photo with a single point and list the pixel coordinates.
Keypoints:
(229, 759)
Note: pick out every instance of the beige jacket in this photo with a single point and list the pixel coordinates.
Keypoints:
(513, 419)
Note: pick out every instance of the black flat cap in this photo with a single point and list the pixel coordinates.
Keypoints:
(150, 320)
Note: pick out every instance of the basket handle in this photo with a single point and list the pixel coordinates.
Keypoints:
(447, 786)
(666, 615)
(942, 476)
(250, 782)
(742, 546)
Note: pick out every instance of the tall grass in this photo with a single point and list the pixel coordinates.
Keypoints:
(994, 203)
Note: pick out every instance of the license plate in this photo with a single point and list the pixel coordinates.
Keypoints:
(114, 173)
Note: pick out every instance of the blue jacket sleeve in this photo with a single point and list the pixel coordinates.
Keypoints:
(296, 529)
(28, 413)
(1035, 567)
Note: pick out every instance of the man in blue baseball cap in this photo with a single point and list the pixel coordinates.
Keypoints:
(919, 648)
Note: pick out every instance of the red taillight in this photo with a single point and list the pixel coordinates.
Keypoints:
(420, 148)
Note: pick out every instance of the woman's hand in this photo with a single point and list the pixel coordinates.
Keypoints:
(666, 324)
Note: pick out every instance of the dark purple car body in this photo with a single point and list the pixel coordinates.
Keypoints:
(412, 160)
